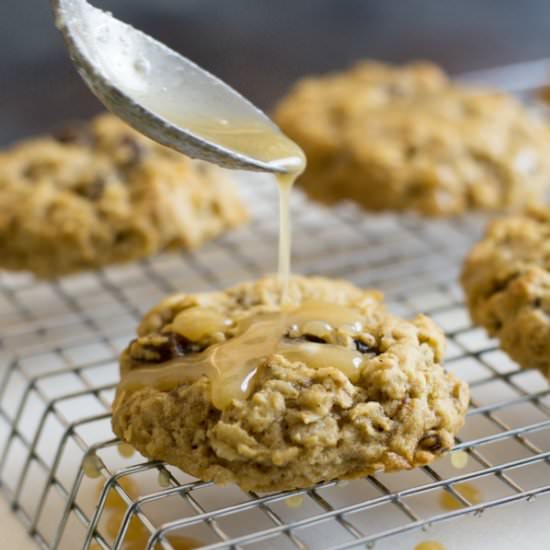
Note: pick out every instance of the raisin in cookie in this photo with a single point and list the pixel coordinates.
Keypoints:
(103, 193)
(407, 138)
(232, 387)
(506, 278)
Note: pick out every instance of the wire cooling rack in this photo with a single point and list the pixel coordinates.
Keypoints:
(74, 486)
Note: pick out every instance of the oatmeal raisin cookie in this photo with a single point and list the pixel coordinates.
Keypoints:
(300, 423)
(506, 278)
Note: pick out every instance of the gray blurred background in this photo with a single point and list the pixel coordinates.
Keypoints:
(261, 46)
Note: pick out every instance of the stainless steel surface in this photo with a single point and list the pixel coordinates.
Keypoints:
(59, 349)
(131, 73)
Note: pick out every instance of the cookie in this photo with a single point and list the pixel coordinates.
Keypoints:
(406, 138)
(506, 279)
(230, 387)
(101, 193)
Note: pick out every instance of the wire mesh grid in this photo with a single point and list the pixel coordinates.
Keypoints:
(74, 486)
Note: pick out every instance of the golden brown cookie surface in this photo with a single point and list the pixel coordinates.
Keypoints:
(303, 421)
(506, 278)
(101, 193)
(407, 138)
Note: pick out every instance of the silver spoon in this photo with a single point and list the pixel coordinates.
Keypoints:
(167, 97)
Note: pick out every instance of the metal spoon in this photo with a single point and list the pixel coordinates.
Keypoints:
(164, 95)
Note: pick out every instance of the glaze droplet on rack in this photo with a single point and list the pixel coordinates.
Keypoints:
(470, 492)
(429, 545)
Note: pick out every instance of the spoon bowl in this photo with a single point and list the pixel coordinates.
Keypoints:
(168, 97)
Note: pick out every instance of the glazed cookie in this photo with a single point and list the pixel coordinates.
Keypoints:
(231, 387)
(407, 138)
(506, 278)
(102, 193)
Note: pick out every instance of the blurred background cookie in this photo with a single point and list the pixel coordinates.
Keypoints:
(100, 193)
(406, 138)
(506, 278)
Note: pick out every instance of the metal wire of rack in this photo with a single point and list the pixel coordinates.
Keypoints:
(58, 350)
